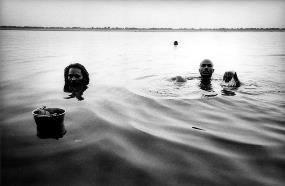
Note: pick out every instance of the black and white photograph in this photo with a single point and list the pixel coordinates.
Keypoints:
(142, 92)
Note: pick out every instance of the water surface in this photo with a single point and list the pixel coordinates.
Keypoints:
(135, 127)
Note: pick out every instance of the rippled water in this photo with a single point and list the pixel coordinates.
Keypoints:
(135, 126)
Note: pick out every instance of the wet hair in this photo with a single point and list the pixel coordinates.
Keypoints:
(85, 74)
(233, 76)
(236, 79)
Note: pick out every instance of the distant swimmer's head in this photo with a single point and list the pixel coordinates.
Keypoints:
(206, 69)
(75, 75)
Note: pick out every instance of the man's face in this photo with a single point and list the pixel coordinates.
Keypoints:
(75, 76)
(206, 69)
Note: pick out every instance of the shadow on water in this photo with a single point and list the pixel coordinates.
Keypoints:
(226, 92)
(89, 165)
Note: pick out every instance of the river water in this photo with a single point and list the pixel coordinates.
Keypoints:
(135, 126)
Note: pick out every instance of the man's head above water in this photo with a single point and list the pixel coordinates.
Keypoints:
(75, 75)
(206, 69)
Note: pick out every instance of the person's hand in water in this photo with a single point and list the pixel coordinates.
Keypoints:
(230, 79)
(80, 98)
(69, 96)
(78, 95)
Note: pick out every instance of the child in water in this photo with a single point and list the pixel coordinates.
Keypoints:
(230, 79)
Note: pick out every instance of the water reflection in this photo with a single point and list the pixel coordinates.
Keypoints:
(206, 84)
(228, 92)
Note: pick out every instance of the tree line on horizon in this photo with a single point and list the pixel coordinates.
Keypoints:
(134, 28)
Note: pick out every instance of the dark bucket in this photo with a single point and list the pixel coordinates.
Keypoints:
(50, 126)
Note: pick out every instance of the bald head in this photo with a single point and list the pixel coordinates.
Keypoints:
(206, 69)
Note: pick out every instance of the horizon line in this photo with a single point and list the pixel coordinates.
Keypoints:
(116, 27)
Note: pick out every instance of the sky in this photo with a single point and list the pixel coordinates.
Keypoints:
(144, 13)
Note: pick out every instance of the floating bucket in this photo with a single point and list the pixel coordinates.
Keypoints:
(50, 122)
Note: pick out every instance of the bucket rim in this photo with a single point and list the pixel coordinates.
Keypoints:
(34, 114)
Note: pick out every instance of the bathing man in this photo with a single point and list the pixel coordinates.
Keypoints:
(206, 70)
(76, 79)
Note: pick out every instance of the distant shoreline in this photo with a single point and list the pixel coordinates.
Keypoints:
(109, 29)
